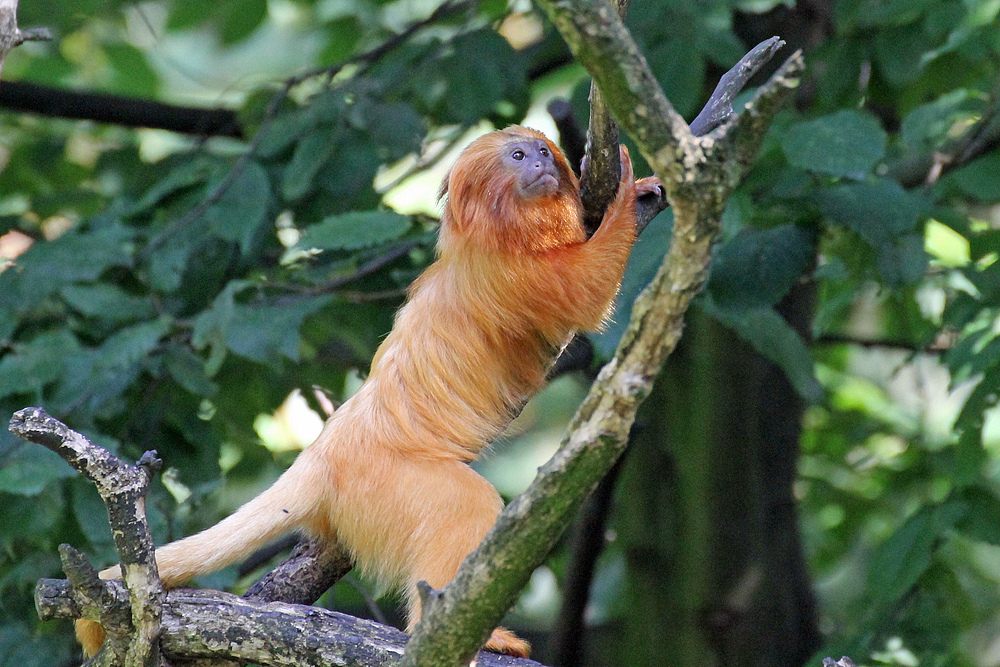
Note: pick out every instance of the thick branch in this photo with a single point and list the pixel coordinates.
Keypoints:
(312, 568)
(205, 624)
(599, 181)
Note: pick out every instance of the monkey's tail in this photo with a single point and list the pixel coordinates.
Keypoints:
(276, 511)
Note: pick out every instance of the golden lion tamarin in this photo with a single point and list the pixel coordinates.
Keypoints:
(388, 476)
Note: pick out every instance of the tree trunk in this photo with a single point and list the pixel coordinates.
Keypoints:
(715, 570)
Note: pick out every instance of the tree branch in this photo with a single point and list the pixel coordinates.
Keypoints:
(602, 166)
(312, 568)
(698, 174)
(207, 624)
(123, 489)
(25, 97)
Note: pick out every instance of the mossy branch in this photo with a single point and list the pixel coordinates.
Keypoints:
(699, 174)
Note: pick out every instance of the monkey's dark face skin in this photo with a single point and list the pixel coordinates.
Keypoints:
(532, 162)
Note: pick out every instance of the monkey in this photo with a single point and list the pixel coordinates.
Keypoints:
(514, 278)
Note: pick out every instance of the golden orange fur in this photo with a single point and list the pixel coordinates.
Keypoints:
(388, 475)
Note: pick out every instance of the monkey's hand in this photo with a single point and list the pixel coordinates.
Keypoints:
(650, 187)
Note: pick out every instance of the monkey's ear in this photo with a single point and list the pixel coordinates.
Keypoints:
(443, 191)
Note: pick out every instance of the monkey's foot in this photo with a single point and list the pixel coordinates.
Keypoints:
(506, 642)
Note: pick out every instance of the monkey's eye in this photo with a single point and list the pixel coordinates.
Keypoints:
(544, 152)
(518, 155)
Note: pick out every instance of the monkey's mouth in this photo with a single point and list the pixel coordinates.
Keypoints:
(546, 184)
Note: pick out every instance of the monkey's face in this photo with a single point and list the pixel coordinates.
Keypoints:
(533, 166)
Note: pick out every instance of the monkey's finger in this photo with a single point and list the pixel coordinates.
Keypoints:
(626, 163)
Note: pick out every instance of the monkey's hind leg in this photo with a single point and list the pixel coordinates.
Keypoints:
(459, 508)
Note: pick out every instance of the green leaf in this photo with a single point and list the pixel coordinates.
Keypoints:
(32, 365)
(311, 153)
(95, 379)
(396, 128)
(28, 517)
(981, 520)
(677, 61)
(773, 337)
(899, 562)
(19, 647)
(286, 128)
(168, 262)
(240, 19)
(352, 231)
(931, 125)
(972, 417)
(879, 210)
(188, 370)
(133, 73)
(899, 53)
(845, 143)
(978, 179)
(134, 343)
(191, 171)
(260, 332)
(185, 14)
(902, 261)
(348, 179)
(486, 69)
(342, 36)
(77, 256)
(29, 469)
(242, 208)
(107, 302)
(210, 326)
(92, 516)
(266, 333)
(757, 267)
(881, 13)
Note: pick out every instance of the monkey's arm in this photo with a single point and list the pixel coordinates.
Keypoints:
(589, 273)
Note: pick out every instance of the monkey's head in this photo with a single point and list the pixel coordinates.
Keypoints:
(512, 190)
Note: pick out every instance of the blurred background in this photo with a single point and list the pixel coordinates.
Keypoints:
(210, 211)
